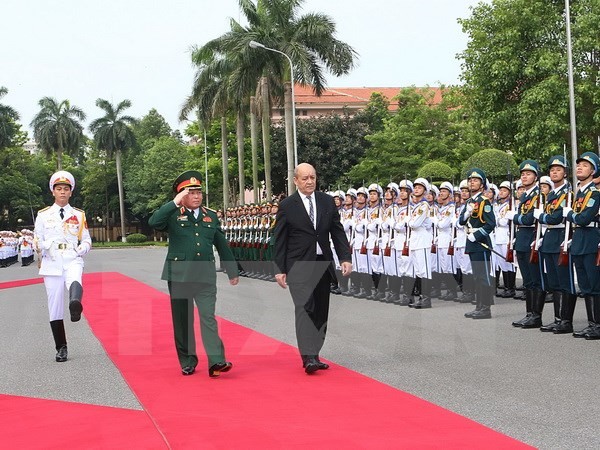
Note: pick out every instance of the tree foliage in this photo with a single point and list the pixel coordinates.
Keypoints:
(57, 128)
(436, 171)
(497, 165)
(419, 132)
(8, 122)
(515, 74)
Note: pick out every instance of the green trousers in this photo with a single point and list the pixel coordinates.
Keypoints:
(183, 296)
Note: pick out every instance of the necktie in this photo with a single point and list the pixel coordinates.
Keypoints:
(62, 213)
(311, 210)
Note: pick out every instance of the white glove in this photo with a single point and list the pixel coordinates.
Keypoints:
(468, 209)
(471, 237)
(537, 213)
(372, 227)
(510, 215)
(538, 245)
(566, 211)
(81, 249)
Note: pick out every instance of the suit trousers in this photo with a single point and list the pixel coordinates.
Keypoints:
(183, 295)
(311, 306)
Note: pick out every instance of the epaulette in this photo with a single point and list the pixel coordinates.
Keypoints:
(210, 209)
(77, 209)
(42, 210)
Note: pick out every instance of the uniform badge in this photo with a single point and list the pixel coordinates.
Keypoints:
(591, 202)
(487, 208)
(206, 219)
(182, 218)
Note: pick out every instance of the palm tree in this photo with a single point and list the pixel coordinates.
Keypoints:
(113, 134)
(57, 127)
(309, 40)
(8, 117)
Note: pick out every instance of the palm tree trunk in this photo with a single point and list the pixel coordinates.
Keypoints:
(225, 158)
(289, 135)
(240, 148)
(254, 143)
(266, 123)
(121, 196)
(59, 152)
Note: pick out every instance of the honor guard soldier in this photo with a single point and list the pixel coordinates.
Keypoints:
(359, 246)
(586, 241)
(190, 271)
(559, 277)
(503, 236)
(389, 210)
(419, 223)
(525, 236)
(373, 237)
(462, 263)
(347, 219)
(478, 217)
(444, 244)
(401, 242)
(62, 238)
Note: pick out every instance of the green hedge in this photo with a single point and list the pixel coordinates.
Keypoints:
(136, 238)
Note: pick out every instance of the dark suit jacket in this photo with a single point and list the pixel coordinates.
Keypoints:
(296, 238)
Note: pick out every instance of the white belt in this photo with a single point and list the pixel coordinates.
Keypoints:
(591, 225)
(562, 225)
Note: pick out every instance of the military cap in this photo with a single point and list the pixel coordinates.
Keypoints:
(394, 188)
(448, 186)
(506, 185)
(558, 160)
(351, 192)
(375, 187)
(592, 158)
(406, 184)
(434, 190)
(464, 184)
(362, 190)
(423, 182)
(477, 173)
(188, 179)
(531, 165)
(62, 177)
(546, 180)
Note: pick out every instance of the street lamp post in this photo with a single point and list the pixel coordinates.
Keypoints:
(254, 44)
(571, 95)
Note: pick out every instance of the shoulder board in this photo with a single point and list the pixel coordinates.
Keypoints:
(77, 209)
(593, 188)
(210, 209)
(41, 210)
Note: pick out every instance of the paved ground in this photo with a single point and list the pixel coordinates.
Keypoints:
(539, 388)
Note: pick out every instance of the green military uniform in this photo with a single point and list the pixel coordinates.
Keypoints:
(190, 271)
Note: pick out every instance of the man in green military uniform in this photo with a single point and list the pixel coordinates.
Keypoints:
(190, 271)
(479, 218)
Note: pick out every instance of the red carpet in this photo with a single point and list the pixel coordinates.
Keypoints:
(19, 283)
(29, 423)
(266, 401)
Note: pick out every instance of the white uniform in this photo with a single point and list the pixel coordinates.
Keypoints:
(420, 239)
(62, 243)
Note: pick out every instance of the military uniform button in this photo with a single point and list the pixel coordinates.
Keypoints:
(197, 254)
(197, 234)
(196, 224)
(198, 243)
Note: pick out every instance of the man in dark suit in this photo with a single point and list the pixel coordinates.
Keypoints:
(304, 224)
(190, 271)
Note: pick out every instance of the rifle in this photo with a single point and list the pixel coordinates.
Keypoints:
(563, 258)
(451, 246)
(510, 256)
(534, 256)
(378, 237)
(405, 249)
(388, 249)
(434, 233)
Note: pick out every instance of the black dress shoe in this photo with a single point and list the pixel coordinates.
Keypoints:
(483, 313)
(321, 365)
(550, 327)
(582, 333)
(61, 355)
(519, 323)
(75, 308)
(564, 327)
(188, 370)
(216, 369)
(311, 365)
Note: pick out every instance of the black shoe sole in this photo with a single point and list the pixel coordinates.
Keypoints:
(311, 368)
(75, 308)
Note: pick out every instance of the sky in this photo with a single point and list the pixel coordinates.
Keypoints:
(82, 50)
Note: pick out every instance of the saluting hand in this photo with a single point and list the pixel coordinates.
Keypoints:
(179, 197)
